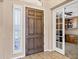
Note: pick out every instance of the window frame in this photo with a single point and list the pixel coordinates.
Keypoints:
(14, 9)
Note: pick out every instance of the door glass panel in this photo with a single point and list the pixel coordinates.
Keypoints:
(17, 31)
(59, 31)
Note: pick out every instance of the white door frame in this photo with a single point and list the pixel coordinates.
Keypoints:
(22, 53)
(62, 51)
(54, 25)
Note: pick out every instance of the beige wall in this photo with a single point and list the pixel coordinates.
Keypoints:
(1, 32)
(6, 28)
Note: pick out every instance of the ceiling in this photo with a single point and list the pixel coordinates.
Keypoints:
(36, 2)
(53, 3)
(72, 8)
(50, 3)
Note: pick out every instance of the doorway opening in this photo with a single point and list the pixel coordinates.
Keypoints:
(65, 31)
(71, 30)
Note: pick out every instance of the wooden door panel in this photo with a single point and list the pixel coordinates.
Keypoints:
(38, 44)
(34, 31)
(30, 11)
(39, 13)
(30, 46)
(31, 25)
(38, 25)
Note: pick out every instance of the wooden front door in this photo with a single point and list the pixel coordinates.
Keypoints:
(34, 31)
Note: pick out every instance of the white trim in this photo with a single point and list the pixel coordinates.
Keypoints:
(48, 50)
(63, 32)
(24, 31)
(18, 57)
(53, 28)
(78, 29)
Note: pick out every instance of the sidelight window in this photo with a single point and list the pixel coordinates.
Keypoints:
(17, 30)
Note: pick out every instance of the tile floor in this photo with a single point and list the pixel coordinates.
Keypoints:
(46, 55)
(72, 50)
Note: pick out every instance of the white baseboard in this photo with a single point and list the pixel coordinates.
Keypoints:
(48, 50)
(18, 57)
(45, 50)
